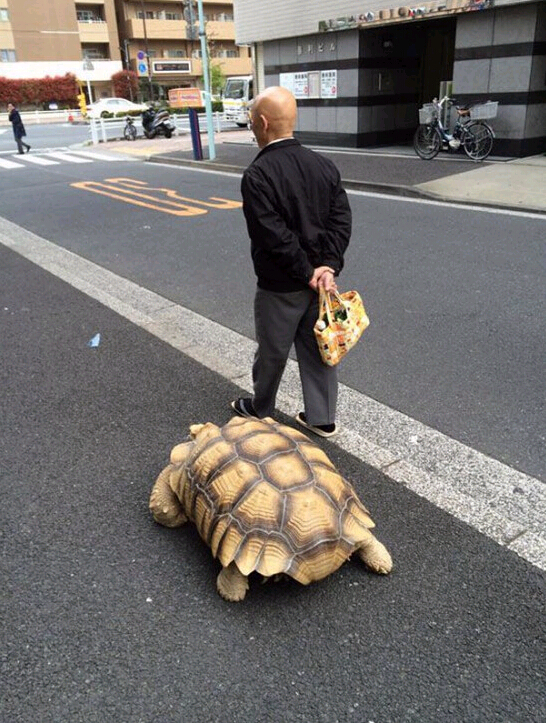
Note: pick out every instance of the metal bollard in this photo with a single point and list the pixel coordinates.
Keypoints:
(195, 135)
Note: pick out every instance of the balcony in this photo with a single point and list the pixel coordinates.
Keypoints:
(174, 30)
(220, 31)
(93, 32)
(230, 66)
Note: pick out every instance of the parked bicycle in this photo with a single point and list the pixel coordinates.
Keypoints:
(129, 132)
(470, 130)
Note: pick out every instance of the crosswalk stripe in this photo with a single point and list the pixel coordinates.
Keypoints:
(4, 163)
(96, 156)
(39, 160)
(68, 157)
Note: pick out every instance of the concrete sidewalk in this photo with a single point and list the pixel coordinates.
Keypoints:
(517, 184)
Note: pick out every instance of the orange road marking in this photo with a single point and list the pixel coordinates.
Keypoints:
(132, 183)
(132, 191)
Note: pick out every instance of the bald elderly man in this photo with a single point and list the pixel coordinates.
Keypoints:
(299, 222)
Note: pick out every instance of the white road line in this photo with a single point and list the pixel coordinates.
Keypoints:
(39, 160)
(506, 505)
(463, 206)
(4, 163)
(96, 156)
(69, 158)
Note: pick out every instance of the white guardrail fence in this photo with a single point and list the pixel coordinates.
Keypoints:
(36, 117)
(107, 129)
(103, 130)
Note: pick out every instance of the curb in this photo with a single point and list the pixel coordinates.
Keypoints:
(353, 185)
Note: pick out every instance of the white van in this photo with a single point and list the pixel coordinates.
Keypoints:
(238, 93)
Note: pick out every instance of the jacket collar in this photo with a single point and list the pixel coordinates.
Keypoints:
(279, 144)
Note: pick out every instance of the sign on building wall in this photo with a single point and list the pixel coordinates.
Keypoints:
(313, 84)
(171, 66)
(403, 13)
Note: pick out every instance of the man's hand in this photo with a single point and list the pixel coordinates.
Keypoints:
(323, 278)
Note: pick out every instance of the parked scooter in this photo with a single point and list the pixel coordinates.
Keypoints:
(157, 123)
(129, 132)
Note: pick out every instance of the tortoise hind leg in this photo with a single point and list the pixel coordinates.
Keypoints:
(231, 583)
(375, 555)
(164, 504)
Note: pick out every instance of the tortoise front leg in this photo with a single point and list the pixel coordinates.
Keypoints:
(231, 583)
(375, 555)
(164, 504)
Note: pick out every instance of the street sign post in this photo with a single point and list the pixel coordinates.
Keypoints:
(205, 60)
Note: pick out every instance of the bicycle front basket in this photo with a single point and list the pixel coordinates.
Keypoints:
(482, 111)
(427, 113)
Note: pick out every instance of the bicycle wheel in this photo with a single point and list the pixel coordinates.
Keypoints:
(427, 142)
(477, 141)
(130, 133)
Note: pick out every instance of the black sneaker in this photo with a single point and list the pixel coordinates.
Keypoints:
(323, 430)
(244, 408)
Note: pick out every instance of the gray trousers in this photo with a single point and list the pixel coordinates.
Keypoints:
(283, 319)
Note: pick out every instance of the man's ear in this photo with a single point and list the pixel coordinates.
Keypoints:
(265, 122)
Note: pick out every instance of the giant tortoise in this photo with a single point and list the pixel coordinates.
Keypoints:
(267, 499)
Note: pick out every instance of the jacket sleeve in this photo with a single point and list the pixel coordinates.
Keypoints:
(267, 228)
(338, 229)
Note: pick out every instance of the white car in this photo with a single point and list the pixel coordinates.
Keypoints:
(104, 106)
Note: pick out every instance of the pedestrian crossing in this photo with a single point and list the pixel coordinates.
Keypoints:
(54, 158)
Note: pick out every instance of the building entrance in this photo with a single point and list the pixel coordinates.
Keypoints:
(437, 57)
(400, 67)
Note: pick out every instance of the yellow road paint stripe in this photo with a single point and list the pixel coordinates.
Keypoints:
(132, 191)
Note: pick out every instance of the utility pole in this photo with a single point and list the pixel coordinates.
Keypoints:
(125, 51)
(148, 61)
(206, 76)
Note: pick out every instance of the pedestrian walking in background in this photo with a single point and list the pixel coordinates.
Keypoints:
(299, 222)
(18, 128)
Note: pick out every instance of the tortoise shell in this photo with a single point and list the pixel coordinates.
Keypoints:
(264, 496)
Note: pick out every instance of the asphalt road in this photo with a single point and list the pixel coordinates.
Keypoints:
(455, 296)
(112, 618)
(41, 137)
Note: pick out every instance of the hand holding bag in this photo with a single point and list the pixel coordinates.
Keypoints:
(342, 319)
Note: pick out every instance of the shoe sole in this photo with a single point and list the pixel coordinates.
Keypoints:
(315, 430)
(241, 413)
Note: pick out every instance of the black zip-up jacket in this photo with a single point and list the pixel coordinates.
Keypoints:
(297, 214)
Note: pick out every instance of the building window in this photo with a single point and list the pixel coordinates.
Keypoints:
(96, 53)
(225, 54)
(176, 54)
(218, 17)
(89, 14)
(7, 56)
(4, 14)
(173, 16)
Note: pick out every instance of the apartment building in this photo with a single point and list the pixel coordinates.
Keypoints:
(161, 41)
(39, 38)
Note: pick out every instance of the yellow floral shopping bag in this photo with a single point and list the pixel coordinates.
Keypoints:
(342, 319)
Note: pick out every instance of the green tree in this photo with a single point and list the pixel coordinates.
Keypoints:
(217, 79)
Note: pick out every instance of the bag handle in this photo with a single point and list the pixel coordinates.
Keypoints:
(326, 303)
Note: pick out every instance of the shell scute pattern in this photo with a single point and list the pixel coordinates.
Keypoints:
(263, 495)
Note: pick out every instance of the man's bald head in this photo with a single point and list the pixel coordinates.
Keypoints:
(273, 115)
